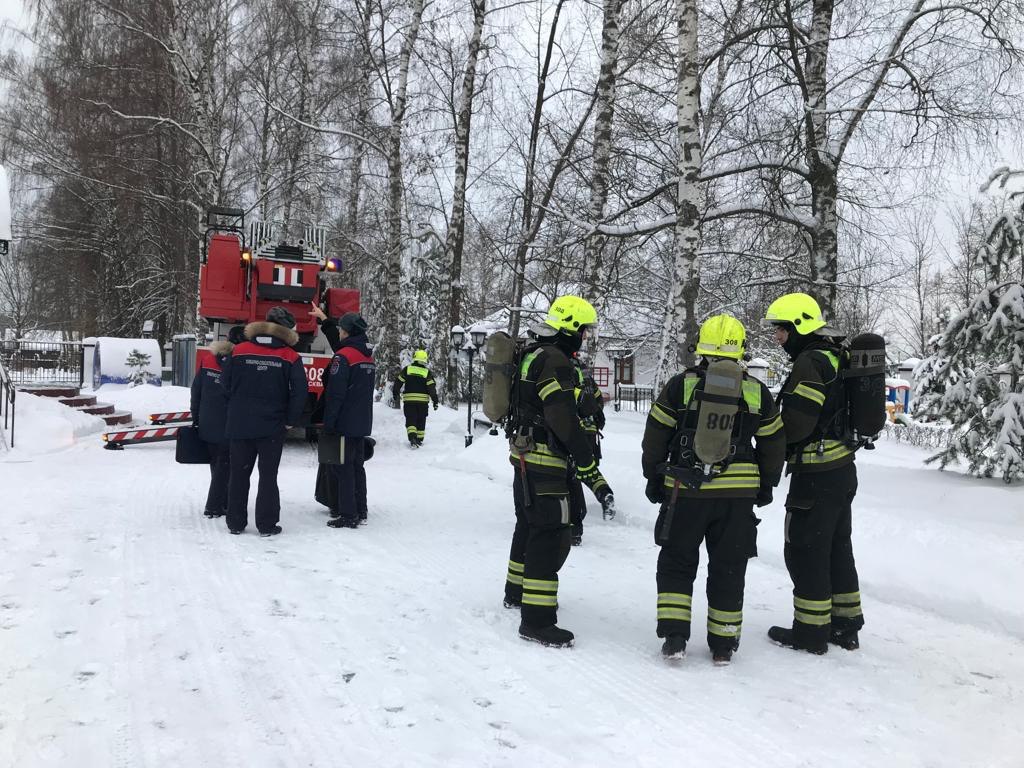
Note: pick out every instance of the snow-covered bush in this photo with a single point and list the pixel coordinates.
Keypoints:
(974, 377)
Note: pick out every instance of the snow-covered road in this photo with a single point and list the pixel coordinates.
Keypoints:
(135, 632)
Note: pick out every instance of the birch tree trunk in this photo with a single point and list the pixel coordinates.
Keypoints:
(821, 160)
(451, 267)
(679, 331)
(387, 352)
(528, 231)
(597, 277)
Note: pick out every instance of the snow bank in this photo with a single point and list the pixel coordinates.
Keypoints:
(43, 425)
(142, 401)
(110, 361)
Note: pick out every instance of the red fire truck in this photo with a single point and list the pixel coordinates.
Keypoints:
(242, 277)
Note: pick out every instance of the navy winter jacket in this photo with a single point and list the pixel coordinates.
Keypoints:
(265, 383)
(209, 400)
(349, 391)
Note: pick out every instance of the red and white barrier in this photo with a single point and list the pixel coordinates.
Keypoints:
(115, 441)
(172, 416)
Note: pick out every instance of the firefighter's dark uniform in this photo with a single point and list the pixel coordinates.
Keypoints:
(266, 387)
(419, 389)
(209, 404)
(590, 404)
(546, 404)
(719, 512)
(818, 549)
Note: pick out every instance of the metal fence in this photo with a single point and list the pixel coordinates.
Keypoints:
(7, 395)
(43, 362)
(633, 397)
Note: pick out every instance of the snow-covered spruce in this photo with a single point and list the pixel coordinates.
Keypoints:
(973, 378)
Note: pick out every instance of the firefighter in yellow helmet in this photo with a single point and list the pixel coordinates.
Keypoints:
(819, 551)
(419, 389)
(713, 448)
(548, 447)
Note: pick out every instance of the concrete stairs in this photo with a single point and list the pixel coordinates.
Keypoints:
(73, 398)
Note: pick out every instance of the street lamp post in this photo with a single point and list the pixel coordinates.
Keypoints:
(472, 345)
(617, 354)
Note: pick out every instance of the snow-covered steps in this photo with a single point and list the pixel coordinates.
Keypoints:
(73, 398)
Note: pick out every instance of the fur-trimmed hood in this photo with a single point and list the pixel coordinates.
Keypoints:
(263, 328)
(221, 348)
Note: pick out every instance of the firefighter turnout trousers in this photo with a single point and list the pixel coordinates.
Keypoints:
(819, 554)
(540, 545)
(349, 479)
(729, 528)
(415, 420)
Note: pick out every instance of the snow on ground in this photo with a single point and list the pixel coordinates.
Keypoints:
(136, 632)
(42, 425)
(145, 399)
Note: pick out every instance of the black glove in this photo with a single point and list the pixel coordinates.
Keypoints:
(607, 499)
(764, 497)
(593, 479)
(655, 491)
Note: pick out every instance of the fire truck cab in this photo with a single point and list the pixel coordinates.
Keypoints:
(243, 274)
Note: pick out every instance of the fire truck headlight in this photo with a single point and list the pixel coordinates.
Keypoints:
(333, 265)
(246, 255)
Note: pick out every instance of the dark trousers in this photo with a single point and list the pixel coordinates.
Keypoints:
(245, 454)
(819, 554)
(540, 545)
(350, 480)
(728, 528)
(415, 421)
(577, 506)
(220, 471)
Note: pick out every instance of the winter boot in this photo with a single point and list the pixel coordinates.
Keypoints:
(343, 522)
(845, 638)
(272, 532)
(674, 647)
(236, 531)
(784, 636)
(512, 602)
(721, 658)
(211, 513)
(552, 637)
(362, 517)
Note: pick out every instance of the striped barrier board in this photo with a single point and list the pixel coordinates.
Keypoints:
(172, 416)
(115, 441)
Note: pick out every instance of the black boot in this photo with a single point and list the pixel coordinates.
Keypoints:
(343, 522)
(512, 602)
(721, 658)
(784, 636)
(552, 637)
(362, 517)
(845, 638)
(272, 532)
(211, 513)
(674, 647)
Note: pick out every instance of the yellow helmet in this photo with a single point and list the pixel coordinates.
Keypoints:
(419, 356)
(799, 309)
(570, 314)
(721, 336)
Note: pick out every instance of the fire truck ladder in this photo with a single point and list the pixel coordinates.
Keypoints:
(163, 428)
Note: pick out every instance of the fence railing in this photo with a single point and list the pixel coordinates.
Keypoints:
(43, 362)
(7, 394)
(633, 397)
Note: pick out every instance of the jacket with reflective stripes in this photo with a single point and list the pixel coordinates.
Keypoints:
(810, 400)
(761, 441)
(547, 390)
(418, 384)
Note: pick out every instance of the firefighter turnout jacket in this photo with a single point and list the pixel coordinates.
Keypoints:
(549, 420)
(813, 405)
(757, 437)
(415, 384)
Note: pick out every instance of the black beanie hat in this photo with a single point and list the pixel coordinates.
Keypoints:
(237, 334)
(353, 323)
(281, 316)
